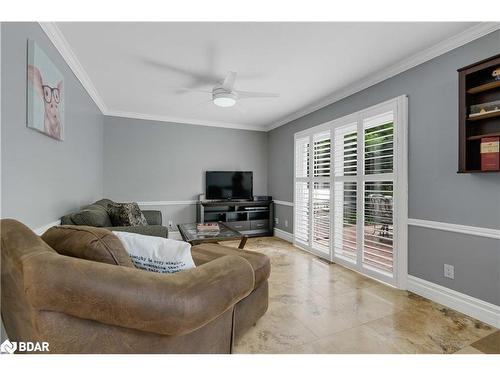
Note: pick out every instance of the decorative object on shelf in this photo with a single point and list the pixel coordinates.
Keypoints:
(490, 153)
(478, 115)
(45, 99)
(483, 108)
(496, 74)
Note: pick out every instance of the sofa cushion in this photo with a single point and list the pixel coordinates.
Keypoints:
(93, 215)
(104, 202)
(260, 263)
(157, 254)
(126, 214)
(96, 244)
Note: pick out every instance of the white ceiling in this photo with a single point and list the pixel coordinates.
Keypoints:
(137, 68)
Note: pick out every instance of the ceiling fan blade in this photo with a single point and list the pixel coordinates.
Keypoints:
(199, 78)
(191, 90)
(187, 90)
(252, 94)
(228, 83)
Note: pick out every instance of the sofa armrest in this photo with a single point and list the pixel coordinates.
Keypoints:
(153, 217)
(148, 230)
(168, 304)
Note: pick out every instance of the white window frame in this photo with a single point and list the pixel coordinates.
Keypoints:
(399, 107)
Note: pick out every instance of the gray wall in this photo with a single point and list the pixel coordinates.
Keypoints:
(157, 161)
(436, 191)
(43, 179)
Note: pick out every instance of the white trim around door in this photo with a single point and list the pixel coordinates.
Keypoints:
(319, 191)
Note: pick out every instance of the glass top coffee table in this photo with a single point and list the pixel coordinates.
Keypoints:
(190, 234)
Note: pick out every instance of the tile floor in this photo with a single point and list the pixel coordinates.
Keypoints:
(316, 307)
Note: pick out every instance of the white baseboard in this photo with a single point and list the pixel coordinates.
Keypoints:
(42, 229)
(283, 235)
(476, 308)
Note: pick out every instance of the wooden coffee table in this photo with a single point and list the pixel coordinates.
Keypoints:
(191, 235)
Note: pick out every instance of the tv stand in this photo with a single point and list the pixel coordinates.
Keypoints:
(251, 218)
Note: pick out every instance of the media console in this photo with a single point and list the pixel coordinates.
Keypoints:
(251, 218)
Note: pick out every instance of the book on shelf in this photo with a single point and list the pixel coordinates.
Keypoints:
(490, 153)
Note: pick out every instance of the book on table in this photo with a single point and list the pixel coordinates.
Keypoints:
(208, 228)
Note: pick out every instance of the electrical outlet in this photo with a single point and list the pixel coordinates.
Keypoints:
(286, 223)
(276, 220)
(449, 271)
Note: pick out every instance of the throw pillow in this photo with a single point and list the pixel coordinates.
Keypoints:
(96, 244)
(126, 214)
(157, 254)
(93, 215)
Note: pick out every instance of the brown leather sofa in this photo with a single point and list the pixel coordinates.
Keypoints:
(82, 306)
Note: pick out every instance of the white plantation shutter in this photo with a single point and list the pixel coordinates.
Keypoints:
(379, 144)
(346, 143)
(345, 192)
(345, 233)
(301, 207)
(321, 154)
(321, 217)
(302, 157)
(378, 223)
(312, 191)
(302, 195)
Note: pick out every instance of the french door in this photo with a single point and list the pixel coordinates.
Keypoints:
(350, 191)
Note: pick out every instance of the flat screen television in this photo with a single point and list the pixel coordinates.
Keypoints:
(229, 185)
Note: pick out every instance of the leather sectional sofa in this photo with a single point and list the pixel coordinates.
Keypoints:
(86, 306)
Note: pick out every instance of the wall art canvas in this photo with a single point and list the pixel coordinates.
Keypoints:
(45, 94)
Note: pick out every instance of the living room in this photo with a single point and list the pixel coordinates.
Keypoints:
(250, 187)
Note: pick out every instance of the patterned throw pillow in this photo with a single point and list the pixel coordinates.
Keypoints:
(126, 214)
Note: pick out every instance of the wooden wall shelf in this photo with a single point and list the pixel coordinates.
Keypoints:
(484, 87)
(478, 137)
(484, 116)
(476, 86)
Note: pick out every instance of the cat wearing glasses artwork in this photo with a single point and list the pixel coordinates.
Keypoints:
(45, 94)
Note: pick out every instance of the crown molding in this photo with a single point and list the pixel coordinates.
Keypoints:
(62, 45)
(59, 41)
(467, 36)
(217, 124)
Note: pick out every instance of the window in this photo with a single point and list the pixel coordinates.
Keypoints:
(350, 191)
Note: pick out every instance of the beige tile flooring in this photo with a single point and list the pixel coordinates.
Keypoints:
(316, 307)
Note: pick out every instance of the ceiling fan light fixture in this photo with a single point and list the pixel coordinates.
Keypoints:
(224, 99)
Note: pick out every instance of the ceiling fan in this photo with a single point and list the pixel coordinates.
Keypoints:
(224, 94)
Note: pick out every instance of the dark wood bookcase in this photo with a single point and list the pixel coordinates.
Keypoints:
(476, 86)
